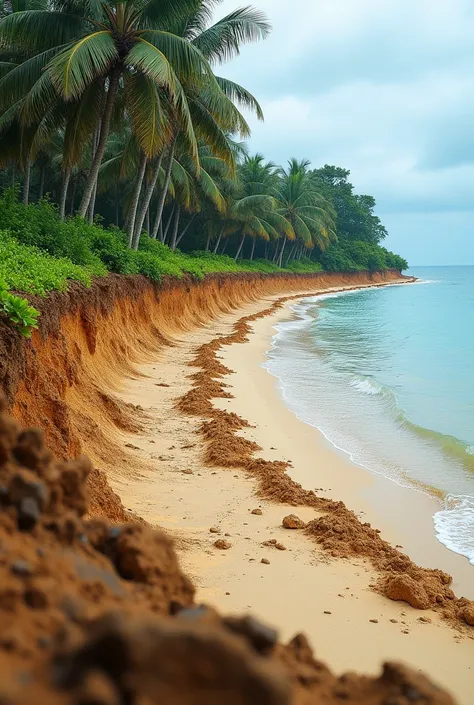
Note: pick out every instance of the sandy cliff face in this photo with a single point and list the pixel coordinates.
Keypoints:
(63, 380)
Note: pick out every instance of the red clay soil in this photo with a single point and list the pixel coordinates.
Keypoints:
(338, 529)
(94, 613)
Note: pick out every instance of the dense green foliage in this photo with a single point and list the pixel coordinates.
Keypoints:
(357, 255)
(27, 268)
(121, 137)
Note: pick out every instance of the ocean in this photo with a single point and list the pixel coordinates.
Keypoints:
(387, 376)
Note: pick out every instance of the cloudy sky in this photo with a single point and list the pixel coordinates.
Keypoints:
(384, 88)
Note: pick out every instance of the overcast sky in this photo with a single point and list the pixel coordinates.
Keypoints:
(384, 88)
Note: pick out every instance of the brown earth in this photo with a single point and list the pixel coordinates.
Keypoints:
(100, 614)
(62, 575)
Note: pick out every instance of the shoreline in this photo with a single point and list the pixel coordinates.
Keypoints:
(302, 587)
(379, 496)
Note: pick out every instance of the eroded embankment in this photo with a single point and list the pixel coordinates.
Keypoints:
(64, 379)
(98, 614)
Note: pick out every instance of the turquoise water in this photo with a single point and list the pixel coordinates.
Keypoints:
(387, 375)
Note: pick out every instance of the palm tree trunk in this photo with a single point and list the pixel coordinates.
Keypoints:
(175, 229)
(216, 246)
(41, 184)
(275, 253)
(185, 230)
(145, 207)
(164, 233)
(253, 247)
(162, 199)
(104, 133)
(280, 259)
(73, 195)
(239, 249)
(91, 209)
(288, 259)
(147, 221)
(117, 207)
(64, 188)
(226, 242)
(26, 182)
(134, 235)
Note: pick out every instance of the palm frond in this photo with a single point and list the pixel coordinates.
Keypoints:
(302, 231)
(144, 108)
(186, 60)
(39, 30)
(39, 100)
(211, 190)
(150, 60)
(83, 122)
(209, 130)
(223, 40)
(83, 62)
(20, 79)
(240, 95)
(200, 19)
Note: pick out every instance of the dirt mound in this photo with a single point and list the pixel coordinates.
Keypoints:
(97, 613)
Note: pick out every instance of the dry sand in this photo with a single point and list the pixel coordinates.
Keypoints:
(300, 588)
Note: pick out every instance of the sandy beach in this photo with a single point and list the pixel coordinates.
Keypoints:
(302, 587)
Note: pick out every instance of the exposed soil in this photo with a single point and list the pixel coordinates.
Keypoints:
(99, 613)
(62, 380)
(97, 610)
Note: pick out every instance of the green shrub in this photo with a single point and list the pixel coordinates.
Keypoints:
(19, 312)
(39, 252)
(305, 265)
(395, 261)
(26, 268)
(154, 267)
(38, 224)
(357, 255)
(111, 248)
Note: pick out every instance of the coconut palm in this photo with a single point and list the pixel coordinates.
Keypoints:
(255, 207)
(119, 46)
(212, 102)
(298, 200)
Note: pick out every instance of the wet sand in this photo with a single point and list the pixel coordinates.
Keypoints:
(301, 588)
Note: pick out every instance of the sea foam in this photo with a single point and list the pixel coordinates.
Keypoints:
(454, 525)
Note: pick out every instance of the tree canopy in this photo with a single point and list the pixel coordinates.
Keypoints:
(114, 112)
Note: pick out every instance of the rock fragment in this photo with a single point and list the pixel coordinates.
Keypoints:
(222, 544)
(293, 522)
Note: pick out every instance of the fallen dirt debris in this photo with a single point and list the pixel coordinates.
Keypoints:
(337, 530)
(293, 522)
(222, 544)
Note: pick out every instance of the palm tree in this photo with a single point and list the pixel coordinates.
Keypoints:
(120, 46)
(298, 200)
(211, 102)
(255, 207)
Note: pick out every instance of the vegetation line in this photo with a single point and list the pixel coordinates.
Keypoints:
(123, 149)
